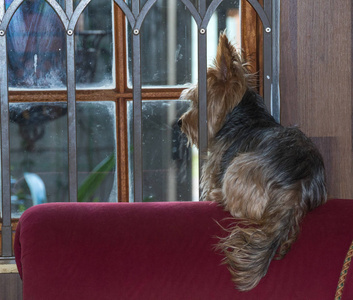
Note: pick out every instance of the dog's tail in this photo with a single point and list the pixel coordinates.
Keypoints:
(251, 245)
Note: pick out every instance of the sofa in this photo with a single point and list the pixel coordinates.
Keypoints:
(98, 251)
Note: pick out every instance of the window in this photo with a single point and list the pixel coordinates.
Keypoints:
(73, 92)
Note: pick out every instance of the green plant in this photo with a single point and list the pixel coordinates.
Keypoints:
(94, 180)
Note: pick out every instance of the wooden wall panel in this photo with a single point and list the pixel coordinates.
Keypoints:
(316, 78)
(10, 287)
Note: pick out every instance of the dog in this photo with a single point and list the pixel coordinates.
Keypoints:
(267, 176)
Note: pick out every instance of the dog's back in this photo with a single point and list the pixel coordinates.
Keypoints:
(271, 176)
(284, 152)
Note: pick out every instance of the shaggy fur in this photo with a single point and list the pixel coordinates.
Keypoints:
(264, 174)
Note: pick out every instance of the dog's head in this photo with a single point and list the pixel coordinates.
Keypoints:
(227, 81)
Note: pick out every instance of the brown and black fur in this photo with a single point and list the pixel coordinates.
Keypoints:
(264, 174)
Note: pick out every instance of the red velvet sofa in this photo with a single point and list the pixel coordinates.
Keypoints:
(166, 251)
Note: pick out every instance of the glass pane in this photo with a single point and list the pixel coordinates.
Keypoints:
(94, 46)
(39, 153)
(96, 148)
(170, 56)
(165, 45)
(226, 18)
(37, 47)
(170, 167)
(143, 2)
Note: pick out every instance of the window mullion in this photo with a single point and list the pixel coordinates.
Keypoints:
(5, 152)
(267, 43)
(137, 110)
(71, 108)
(202, 87)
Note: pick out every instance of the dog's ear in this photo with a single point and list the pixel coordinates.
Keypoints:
(225, 58)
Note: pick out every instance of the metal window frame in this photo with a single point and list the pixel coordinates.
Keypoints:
(202, 15)
(269, 15)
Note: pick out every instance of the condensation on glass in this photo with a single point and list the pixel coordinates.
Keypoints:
(39, 153)
(37, 47)
(169, 57)
(169, 165)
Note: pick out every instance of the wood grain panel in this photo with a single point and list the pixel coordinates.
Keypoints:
(14, 223)
(122, 156)
(288, 62)
(10, 287)
(316, 77)
(252, 40)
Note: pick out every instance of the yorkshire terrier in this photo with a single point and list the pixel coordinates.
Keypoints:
(266, 175)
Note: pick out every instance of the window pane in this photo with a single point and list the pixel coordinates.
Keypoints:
(143, 2)
(96, 148)
(169, 46)
(169, 166)
(165, 45)
(94, 46)
(39, 153)
(37, 47)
